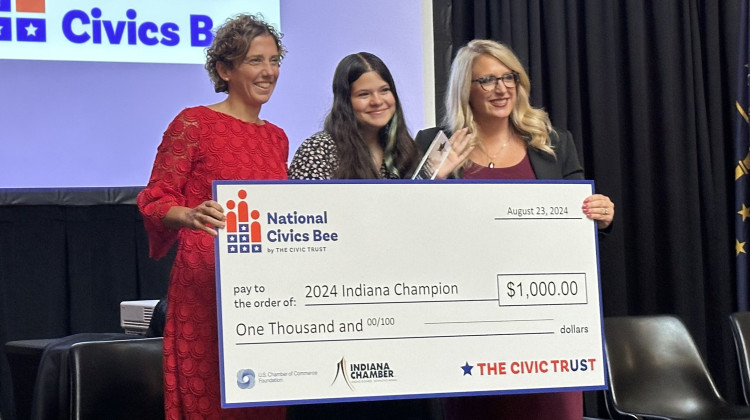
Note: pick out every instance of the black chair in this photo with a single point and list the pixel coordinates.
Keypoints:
(24, 357)
(740, 322)
(119, 379)
(40, 374)
(656, 372)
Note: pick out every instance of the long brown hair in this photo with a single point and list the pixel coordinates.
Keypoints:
(400, 153)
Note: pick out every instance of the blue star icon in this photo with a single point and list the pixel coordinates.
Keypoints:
(467, 368)
(31, 30)
(5, 29)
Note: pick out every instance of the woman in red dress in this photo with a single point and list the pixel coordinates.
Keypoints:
(226, 140)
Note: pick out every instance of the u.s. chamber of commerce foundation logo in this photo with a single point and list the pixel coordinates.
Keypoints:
(30, 27)
(245, 378)
(243, 228)
(132, 31)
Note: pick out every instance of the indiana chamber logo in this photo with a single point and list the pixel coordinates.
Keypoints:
(143, 31)
(31, 28)
(352, 373)
(243, 228)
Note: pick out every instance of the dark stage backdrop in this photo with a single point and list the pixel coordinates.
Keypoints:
(648, 89)
(64, 269)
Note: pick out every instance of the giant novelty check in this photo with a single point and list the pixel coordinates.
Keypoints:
(345, 291)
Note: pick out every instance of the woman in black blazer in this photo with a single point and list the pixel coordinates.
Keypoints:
(488, 94)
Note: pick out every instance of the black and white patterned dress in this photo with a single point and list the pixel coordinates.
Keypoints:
(317, 158)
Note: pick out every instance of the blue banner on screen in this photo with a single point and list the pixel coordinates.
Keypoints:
(91, 118)
(137, 31)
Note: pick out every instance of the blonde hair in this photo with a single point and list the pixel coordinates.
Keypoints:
(533, 124)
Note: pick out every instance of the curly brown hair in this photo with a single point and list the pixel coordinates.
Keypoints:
(232, 41)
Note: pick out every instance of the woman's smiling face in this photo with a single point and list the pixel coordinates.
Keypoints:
(498, 101)
(372, 101)
(254, 78)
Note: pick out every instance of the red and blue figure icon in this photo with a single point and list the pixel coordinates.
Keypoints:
(28, 29)
(243, 227)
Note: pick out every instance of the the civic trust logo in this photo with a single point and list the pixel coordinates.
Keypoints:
(529, 367)
(164, 31)
(28, 28)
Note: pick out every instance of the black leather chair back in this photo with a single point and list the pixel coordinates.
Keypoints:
(656, 372)
(740, 322)
(120, 379)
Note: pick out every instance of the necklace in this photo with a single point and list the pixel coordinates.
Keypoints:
(491, 158)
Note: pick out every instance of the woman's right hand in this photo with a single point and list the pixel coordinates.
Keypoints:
(207, 216)
(461, 147)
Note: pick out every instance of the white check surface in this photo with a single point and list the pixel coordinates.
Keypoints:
(360, 291)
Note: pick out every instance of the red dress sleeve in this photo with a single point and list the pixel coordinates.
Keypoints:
(166, 187)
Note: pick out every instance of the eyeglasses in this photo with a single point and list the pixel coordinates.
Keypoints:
(488, 83)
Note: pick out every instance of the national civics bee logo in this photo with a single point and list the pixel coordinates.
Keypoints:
(243, 227)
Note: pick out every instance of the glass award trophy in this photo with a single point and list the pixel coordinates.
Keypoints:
(434, 158)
